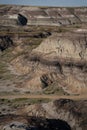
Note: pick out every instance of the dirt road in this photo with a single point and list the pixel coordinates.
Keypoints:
(78, 97)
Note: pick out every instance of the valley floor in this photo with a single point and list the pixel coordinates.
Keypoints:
(54, 97)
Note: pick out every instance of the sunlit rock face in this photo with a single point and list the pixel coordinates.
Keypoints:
(64, 46)
(68, 54)
(60, 61)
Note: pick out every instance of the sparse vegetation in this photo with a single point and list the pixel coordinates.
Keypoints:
(54, 89)
(35, 71)
(20, 102)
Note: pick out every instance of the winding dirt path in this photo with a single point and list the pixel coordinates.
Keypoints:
(54, 97)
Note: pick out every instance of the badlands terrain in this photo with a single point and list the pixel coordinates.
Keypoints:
(43, 68)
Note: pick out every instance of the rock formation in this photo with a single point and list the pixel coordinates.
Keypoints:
(22, 20)
(59, 114)
(70, 111)
(47, 61)
(5, 42)
(43, 16)
(60, 59)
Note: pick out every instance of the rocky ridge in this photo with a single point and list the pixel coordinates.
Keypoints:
(59, 59)
(40, 60)
(60, 114)
(54, 16)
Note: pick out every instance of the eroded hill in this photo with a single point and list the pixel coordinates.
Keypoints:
(35, 61)
(22, 15)
(41, 63)
(60, 114)
(43, 54)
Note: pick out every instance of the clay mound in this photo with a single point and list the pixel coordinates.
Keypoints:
(68, 53)
(63, 47)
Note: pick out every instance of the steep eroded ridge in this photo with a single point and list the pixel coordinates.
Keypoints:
(59, 61)
(43, 15)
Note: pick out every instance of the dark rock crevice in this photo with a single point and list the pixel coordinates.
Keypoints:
(22, 20)
(48, 124)
(34, 123)
(5, 42)
(43, 35)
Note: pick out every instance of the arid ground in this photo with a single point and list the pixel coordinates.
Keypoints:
(43, 68)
